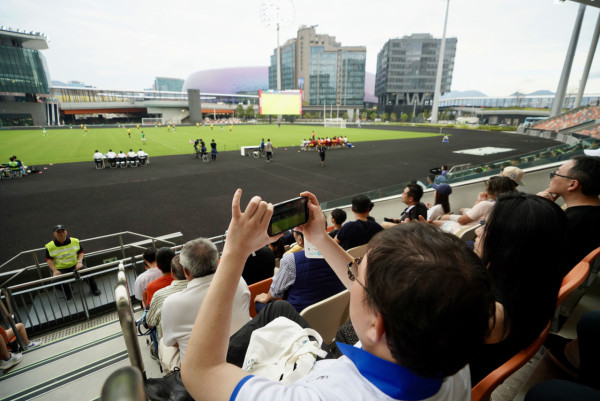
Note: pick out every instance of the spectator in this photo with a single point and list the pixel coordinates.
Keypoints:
(259, 266)
(178, 284)
(495, 186)
(362, 229)
(420, 302)
(514, 173)
(112, 157)
(580, 358)
(301, 281)
(142, 156)
(164, 256)
(299, 243)
(338, 217)
(526, 277)
(269, 150)
(10, 359)
(578, 182)
(152, 273)
(213, 149)
(199, 259)
(412, 199)
(277, 248)
(132, 157)
(441, 203)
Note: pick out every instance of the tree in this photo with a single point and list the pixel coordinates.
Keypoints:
(426, 114)
(404, 117)
(345, 116)
(250, 112)
(393, 117)
(239, 111)
(384, 116)
(363, 115)
(373, 115)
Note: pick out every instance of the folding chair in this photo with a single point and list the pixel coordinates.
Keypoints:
(99, 164)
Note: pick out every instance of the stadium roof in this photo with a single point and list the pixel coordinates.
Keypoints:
(29, 39)
(592, 3)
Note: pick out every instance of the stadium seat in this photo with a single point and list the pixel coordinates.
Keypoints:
(483, 390)
(142, 160)
(99, 164)
(112, 163)
(132, 161)
(327, 316)
(467, 233)
(358, 251)
(122, 162)
(258, 288)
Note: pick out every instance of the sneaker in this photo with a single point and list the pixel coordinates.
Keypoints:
(13, 360)
(96, 292)
(33, 344)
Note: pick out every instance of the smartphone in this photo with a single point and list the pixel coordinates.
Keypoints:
(288, 214)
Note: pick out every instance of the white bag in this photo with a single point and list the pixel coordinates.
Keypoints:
(281, 351)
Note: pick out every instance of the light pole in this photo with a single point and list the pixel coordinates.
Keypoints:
(438, 77)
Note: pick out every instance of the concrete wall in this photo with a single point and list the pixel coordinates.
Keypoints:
(195, 106)
(464, 194)
(37, 111)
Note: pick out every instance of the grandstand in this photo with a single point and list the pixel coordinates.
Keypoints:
(99, 349)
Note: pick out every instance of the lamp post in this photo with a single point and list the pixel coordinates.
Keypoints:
(438, 77)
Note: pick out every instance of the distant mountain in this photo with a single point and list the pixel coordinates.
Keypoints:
(457, 94)
(540, 93)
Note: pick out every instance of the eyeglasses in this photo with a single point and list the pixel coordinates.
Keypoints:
(554, 173)
(351, 274)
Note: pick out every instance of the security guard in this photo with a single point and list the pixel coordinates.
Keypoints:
(65, 255)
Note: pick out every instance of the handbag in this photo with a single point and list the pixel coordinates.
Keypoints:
(282, 351)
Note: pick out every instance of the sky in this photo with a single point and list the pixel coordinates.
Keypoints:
(504, 46)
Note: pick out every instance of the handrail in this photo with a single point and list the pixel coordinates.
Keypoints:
(124, 384)
(127, 320)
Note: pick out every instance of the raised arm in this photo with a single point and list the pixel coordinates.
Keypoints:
(205, 373)
(315, 232)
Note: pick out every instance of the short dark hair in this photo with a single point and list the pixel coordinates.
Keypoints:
(361, 204)
(163, 259)
(149, 255)
(339, 215)
(177, 269)
(415, 191)
(498, 185)
(586, 170)
(433, 294)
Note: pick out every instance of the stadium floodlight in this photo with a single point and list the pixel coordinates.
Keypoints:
(438, 78)
(277, 14)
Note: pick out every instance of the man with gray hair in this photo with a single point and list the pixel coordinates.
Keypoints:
(199, 259)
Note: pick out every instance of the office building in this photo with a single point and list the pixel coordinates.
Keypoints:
(25, 97)
(331, 76)
(406, 72)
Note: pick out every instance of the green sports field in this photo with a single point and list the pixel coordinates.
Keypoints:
(73, 145)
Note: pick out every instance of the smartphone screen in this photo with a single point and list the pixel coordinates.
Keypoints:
(288, 214)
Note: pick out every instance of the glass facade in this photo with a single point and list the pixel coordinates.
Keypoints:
(288, 68)
(22, 70)
(168, 84)
(336, 77)
(408, 66)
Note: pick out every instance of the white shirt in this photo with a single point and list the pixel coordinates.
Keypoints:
(179, 311)
(98, 155)
(131, 154)
(141, 282)
(434, 212)
(111, 155)
(339, 379)
(141, 153)
(122, 155)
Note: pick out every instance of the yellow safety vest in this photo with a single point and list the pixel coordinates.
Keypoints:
(64, 256)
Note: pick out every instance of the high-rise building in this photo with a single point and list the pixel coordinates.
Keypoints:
(168, 84)
(329, 74)
(25, 97)
(406, 72)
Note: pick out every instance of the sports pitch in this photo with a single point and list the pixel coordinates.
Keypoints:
(74, 145)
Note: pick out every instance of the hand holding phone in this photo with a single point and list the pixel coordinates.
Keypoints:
(288, 214)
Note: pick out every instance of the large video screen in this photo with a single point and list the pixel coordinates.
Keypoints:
(284, 102)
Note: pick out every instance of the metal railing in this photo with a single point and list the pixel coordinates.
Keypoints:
(42, 305)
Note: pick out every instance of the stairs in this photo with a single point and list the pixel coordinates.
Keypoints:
(72, 364)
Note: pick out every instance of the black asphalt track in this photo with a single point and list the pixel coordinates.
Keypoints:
(177, 193)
